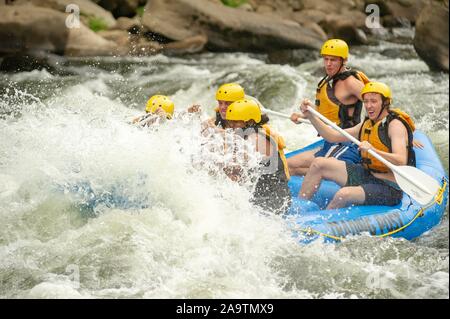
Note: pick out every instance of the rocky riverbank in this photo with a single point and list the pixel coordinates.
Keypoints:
(34, 28)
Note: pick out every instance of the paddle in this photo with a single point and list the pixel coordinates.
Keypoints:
(284, 115)
(279, 114)
(414, 182)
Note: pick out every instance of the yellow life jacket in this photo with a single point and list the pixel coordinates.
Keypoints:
(281, 145)
(378, 136)
(330, 107)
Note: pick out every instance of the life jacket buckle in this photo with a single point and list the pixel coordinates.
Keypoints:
(440, 195)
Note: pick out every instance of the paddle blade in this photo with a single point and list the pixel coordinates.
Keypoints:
(417, 184)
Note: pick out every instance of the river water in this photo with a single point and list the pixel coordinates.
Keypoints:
(92, 207)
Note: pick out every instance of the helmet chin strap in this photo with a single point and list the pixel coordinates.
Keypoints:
(382, 109)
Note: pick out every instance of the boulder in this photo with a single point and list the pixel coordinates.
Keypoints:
(226, 29)
(296, 5)
(431, 37)
(265, 9)
(34, 61)
(133, 25)
(88, 9)
(120, 8)
(28, 28)
(246, 7)
(348, 27)
(317, 28)
(119, 37)
(400, 10)
(143, 47)
(321, 5)
(397, 13)
(187, 46)
(311, 15)
(84, 42)
(281, 6)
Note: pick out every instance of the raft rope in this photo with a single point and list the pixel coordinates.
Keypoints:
(438, 200)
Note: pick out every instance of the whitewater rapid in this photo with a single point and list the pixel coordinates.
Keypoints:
(93, 207)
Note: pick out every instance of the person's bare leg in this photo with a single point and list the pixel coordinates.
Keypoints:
(322, 168)
(299, 164)
(347, 196)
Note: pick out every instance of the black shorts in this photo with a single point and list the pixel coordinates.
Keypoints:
(377, 191)
(272, 194)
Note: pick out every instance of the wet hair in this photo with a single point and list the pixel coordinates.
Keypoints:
(264, 119)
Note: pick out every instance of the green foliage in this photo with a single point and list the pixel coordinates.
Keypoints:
(97, 24)
(140, 11)
(233, 3)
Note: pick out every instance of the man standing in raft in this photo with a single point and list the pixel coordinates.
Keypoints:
(337, 98)
(389, 132)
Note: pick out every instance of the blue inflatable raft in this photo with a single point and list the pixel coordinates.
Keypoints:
(409, 219)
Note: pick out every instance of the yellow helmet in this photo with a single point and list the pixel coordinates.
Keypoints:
(149, 105)
(335, 47)
(377, 87)
(244, 110)
(230, 92)
(161, 101)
